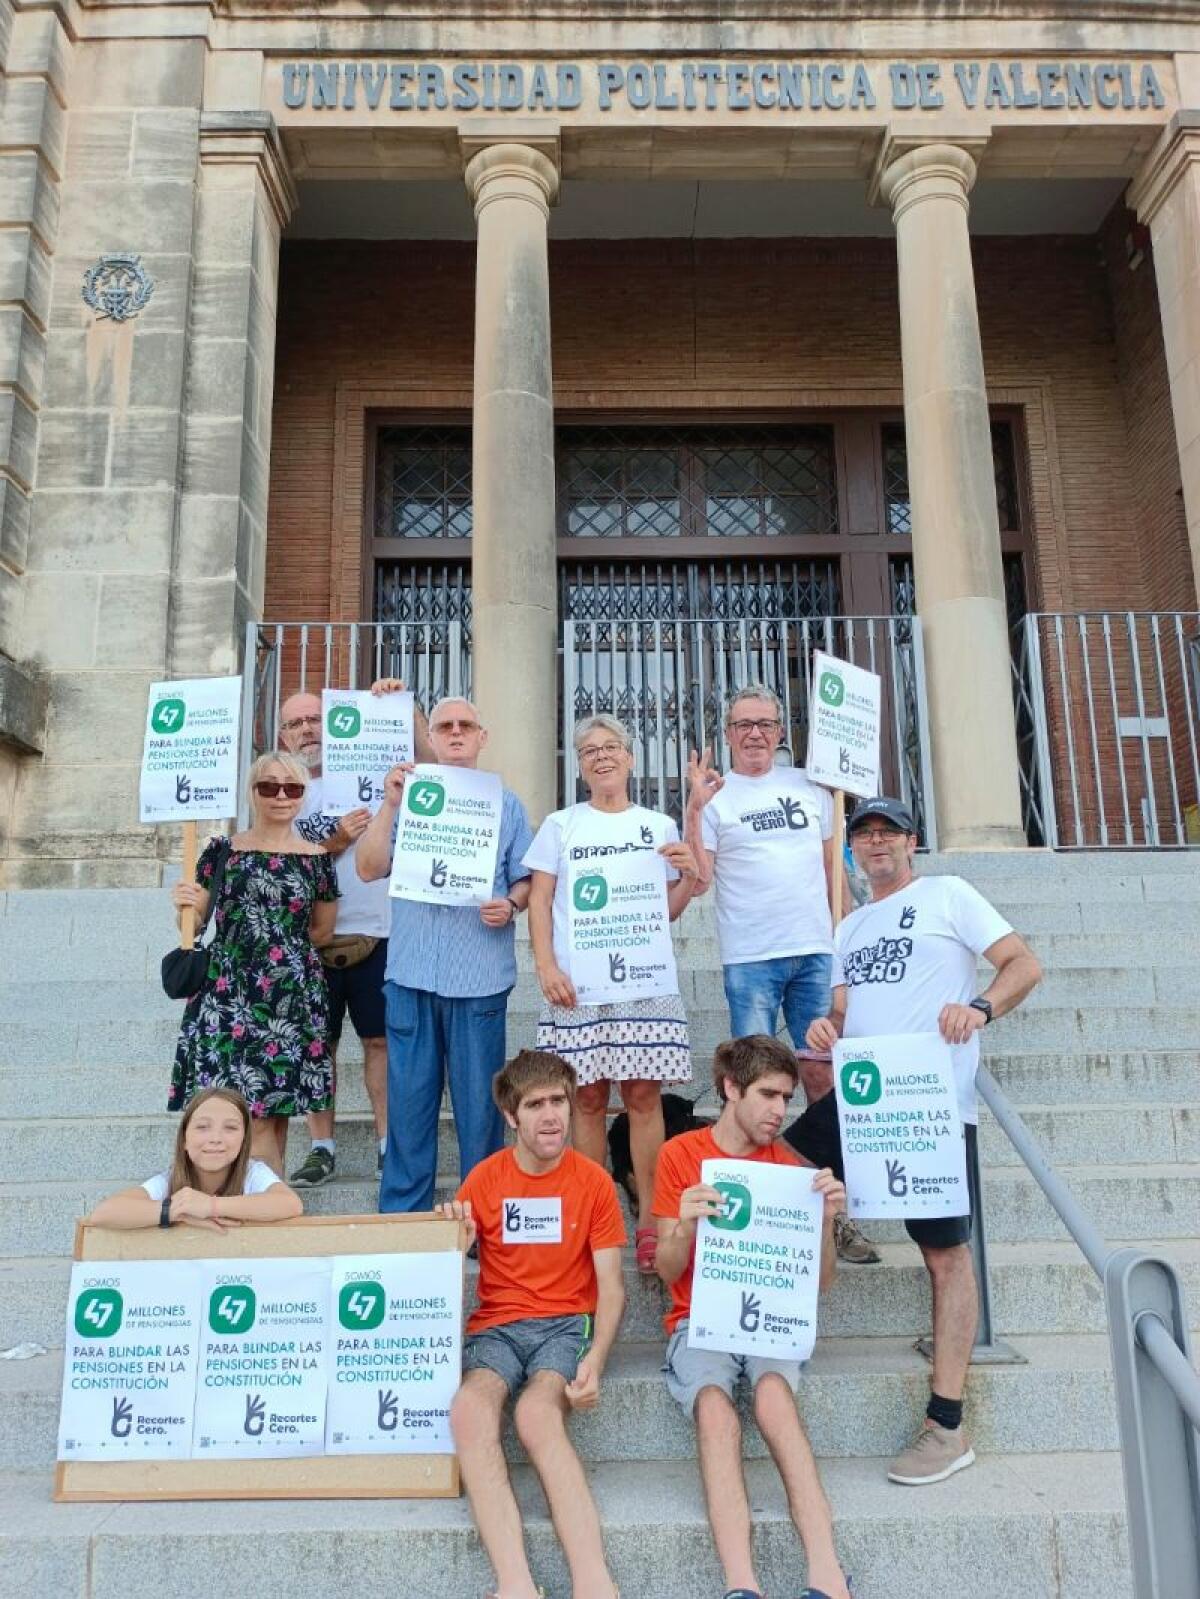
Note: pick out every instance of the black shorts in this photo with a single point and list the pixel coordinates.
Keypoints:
(359, 990)
(816, 1135)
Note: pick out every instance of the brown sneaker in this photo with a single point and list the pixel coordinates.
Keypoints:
(851, 1243)
(934, 1454)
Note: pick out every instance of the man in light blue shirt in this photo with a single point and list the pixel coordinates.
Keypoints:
(450, 970)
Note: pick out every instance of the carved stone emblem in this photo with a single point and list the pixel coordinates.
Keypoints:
(117, 286)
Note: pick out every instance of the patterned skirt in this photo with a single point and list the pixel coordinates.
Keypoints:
(643, 1039)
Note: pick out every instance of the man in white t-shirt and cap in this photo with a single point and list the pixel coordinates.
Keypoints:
(907, 962)
(356, 960)
(763, 835)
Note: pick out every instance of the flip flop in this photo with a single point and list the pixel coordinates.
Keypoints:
(646, 1243)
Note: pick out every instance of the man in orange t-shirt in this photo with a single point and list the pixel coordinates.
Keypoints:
(755, 1078)
(550, 1235)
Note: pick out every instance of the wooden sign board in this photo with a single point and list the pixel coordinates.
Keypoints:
(400, 1476)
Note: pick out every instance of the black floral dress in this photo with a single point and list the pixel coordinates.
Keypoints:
(260, 1024)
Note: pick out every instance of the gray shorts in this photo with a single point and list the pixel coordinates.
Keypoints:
(519, 1348)
(689, 1370)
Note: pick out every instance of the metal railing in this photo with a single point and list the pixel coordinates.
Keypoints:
(1108, 714)
(284, 658)
(668, 681)
(1156, 1386)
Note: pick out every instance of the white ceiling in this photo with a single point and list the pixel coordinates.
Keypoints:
(413, 209)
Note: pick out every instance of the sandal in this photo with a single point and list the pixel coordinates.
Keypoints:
(646, 1242)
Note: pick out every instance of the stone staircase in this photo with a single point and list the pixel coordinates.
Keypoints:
(1102, 1063)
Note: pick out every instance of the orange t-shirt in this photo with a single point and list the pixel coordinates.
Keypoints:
(679, 1168)
(536, 1237)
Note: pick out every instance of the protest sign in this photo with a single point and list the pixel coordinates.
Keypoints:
(902, 1137)
(190, 755)
(448, 836)
(260, 1388)
(619, 929)
(129, 1364)
(843, 726)
(758, 1265)
(396, 1359)
(365, 735)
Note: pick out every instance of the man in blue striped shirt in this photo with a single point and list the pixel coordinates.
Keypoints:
(450, 970)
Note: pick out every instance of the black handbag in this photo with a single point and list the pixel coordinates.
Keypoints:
(184, 970)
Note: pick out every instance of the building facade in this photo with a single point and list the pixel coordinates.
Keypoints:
(593, 359)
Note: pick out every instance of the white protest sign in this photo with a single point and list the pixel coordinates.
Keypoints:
(260, 1386)
(365, 735)
(397, 1353)
(843, 726)
(448, 836)
(620, 929)
(190, 755)
(902, 1137)
(129, 1365)
(758, 1265)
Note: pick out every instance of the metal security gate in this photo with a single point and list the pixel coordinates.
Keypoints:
(669, 682)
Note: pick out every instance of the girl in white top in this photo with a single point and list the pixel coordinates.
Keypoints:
(640, 1043)
(213, 1183)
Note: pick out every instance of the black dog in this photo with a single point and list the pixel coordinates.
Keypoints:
(678, 1117)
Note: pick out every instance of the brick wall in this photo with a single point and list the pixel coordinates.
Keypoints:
(680, 325)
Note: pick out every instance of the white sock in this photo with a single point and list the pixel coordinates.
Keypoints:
(325, 1143)
(383, 1146)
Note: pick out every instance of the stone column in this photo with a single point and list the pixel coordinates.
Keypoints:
(955, 530)
(1166, 197)
(244, 198)
(514, 592)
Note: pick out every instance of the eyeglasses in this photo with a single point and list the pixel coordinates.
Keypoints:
(879, 835)
(298, 722)
(456, 726)
(593, 752)
(764, 725)
(274, 789)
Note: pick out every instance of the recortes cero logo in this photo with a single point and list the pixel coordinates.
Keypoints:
(343, 721)
(168, 715)
(361, 1306)
(232, 1310)
(831, 689)
(736, 1208)
(861, 1082)
(98, 1312)
(590, 892)
(426, 797)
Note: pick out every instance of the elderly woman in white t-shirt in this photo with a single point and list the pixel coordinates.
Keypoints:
(639, 1044)
(213, 1183)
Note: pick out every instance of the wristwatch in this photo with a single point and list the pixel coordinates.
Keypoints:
(164, 1215)
(981, 1004)
(515, 906)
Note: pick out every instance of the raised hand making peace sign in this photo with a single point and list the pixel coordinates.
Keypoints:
(704, 782)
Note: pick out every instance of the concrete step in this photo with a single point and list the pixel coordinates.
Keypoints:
(1148, 1201)
(1037, 1289)
(130, 1148)
(1049, 1526)
(860, 1396)
(143, 1035)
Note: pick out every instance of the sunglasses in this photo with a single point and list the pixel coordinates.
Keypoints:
(456, 727)
(276, 789)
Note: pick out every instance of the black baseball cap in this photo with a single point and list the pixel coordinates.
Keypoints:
(891, 810)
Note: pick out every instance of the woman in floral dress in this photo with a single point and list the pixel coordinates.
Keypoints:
(260, 1023)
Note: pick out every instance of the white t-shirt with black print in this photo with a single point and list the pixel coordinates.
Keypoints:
(767, 835)
(583, 833)
(904, 957)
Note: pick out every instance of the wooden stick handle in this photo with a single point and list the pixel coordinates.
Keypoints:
(187, 919)
(839, 853)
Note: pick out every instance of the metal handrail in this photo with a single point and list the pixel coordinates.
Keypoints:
(1157, 1388)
